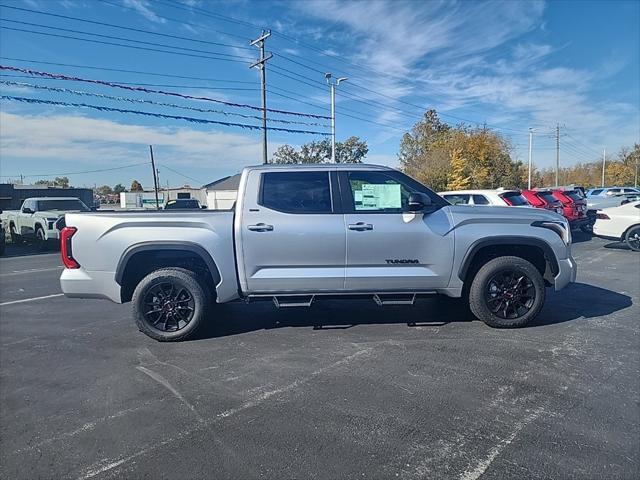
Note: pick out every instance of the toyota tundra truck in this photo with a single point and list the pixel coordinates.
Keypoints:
(300, 234)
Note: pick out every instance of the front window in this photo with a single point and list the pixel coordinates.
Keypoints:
(62, 205)
(596, 192)
(296, 192)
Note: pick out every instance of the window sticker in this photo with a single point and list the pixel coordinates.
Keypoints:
(378, 197)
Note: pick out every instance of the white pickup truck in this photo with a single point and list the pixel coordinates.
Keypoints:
(37, 217)
(299, 234)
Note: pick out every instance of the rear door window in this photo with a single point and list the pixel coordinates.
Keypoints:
(480, 200)
(296, 192)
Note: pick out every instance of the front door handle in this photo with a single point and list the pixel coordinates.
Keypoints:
(260, 227)
(360, 226)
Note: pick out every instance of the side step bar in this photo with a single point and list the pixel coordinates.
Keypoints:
(296, 301)
(390, 299)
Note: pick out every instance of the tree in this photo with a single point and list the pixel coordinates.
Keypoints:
(62, 182)
(104, 190)
(119, 188)
(444, 156)
(352, 150)
(458, 178)
(136, 186)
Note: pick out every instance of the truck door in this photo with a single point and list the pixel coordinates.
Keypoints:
(389, 248)
(292, 236)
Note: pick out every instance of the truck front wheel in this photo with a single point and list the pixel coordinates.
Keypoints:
(170, 304)
(507, 292)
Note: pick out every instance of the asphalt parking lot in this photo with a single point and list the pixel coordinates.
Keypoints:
(336, 391)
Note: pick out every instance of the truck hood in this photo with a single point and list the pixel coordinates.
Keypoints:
(465, 214)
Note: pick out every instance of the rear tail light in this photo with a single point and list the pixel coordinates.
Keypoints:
(602, 216)
(65, 247)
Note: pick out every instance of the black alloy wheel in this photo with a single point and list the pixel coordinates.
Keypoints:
(510, 294)
(169, 307)
(632, 238)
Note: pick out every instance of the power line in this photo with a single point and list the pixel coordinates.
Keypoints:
(122, 27)
(157, 115)
(182, 174)
(152, 102)
(120, 70)
(146, 90)
(78, 173)
(125, 39)
(582, 145)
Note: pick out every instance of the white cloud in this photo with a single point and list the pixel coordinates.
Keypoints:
(142, 6)
(94, 141)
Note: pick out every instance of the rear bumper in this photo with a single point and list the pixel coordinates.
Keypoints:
(567, 273)
(581, 222)
(79, 283)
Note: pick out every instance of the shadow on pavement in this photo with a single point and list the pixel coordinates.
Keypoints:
(618, 246)
(578, 236)
(579, 300)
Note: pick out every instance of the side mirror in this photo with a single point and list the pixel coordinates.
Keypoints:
(419, 202)
(203, 207)
(27, 210)
(94, 208)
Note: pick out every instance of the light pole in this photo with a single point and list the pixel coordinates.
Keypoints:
(531, 130)
(332, 86)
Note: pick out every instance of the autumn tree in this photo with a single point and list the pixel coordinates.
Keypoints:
(443, 156)
(104, 190)
(352, 150)
(136, 186)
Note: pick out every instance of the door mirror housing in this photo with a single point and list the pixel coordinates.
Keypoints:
(27, 210)
(419, 202)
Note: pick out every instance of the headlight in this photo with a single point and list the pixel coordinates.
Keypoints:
(559, 227)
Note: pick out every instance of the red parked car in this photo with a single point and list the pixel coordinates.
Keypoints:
(574, 209)
(543, 199)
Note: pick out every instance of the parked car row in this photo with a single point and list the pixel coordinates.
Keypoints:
(569, 203)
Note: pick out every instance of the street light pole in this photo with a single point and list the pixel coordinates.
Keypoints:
(530, 149)
(332, 86)
(604, 163)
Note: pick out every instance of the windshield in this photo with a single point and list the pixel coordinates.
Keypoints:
(515, 198)
(66, 204)
(548, 197)
(575, 196)
(175, 204)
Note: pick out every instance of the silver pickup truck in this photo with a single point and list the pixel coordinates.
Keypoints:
(302, 233)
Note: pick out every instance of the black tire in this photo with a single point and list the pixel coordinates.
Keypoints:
(15, 237)
(588, 228)
(41, 240)
(509, 282)
(632, 238)
(175, 314)
(3, 244)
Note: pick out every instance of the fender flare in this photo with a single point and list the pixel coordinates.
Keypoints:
(507, 240)
(167, 245)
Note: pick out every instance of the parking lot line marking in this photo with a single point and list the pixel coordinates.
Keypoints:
(31, 299)
(31, 270)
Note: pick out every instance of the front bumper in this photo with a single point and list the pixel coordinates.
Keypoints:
(581, 222)
(567, 273)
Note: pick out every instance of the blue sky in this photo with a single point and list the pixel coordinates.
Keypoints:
(511, 65)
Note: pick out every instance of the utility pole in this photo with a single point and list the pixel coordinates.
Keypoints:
(262, 63)
(604, 162)
(557, 152)
(332, 87)
(155, 176)
(530, 148)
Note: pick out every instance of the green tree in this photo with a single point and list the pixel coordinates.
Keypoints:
(62, 182)
(119, 188)
(136, 186)
(352, 150)
(104, 190)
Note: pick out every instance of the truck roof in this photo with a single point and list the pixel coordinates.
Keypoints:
(52, 198)
(318, 166)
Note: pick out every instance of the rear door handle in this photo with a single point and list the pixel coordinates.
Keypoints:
(260, 227)
(360, 226)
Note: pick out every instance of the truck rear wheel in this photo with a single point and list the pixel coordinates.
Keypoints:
(507, 292)
(170, 304)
